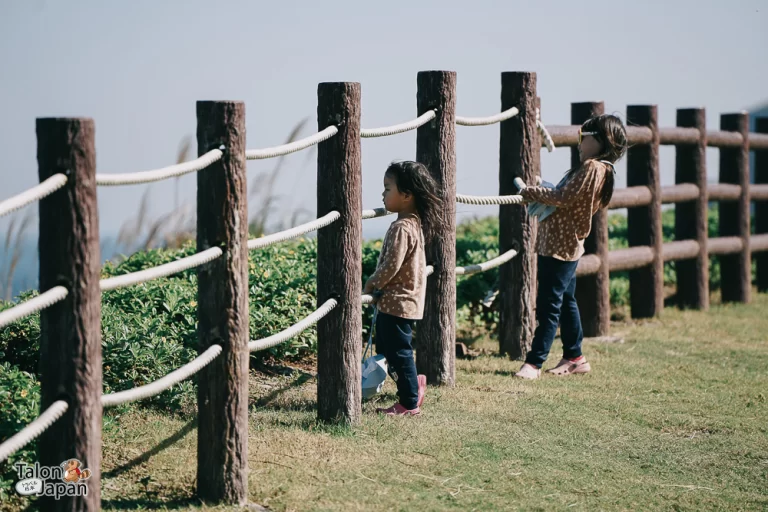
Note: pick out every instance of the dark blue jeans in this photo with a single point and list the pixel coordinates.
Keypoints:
(556, 304)
(393, 341)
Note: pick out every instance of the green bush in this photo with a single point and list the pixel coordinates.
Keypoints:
(149, 330)
(19, 406)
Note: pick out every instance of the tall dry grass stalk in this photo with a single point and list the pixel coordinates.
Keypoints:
(13, 250)
(176, 227)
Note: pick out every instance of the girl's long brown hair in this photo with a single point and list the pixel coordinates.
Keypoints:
(612, 136)
(414, 178)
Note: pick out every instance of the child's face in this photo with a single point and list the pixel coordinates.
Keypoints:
(589, 147)
(394, 200)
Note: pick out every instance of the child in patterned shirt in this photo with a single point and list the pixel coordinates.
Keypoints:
(400, 278)
(560, 243)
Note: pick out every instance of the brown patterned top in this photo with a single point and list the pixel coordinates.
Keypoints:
(400, 272)
(562, 234)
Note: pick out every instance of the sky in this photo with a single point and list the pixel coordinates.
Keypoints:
(137, 68)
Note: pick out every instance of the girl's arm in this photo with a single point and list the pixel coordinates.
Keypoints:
(583, 180)
(397, 248)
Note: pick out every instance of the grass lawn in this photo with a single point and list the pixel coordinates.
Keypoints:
(674, 418)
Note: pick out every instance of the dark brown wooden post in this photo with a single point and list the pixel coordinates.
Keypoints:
(339, 254)
(70, 331)
(593, 293)
(736, 269)
(519, 154)
(761, 207)
(436, 148)
(691, 218)
(222, 221)
(646, 285)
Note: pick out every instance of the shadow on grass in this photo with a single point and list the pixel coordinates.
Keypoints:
(265, 402)
(144, 457)
(149, 504)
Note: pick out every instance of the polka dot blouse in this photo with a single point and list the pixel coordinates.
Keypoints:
(562, 234)
(400, 272)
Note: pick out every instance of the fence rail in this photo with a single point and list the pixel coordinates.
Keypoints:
(222, 268)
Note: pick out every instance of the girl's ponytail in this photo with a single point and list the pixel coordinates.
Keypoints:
(607, 192)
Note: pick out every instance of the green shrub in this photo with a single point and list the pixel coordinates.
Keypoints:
(19, 406)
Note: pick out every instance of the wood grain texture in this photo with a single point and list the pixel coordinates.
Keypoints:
(736, 269)
(222, 221)
(519, 152)
(691, 218)
(646, 285)
(70, 331)
(339, 254)
(436, 148)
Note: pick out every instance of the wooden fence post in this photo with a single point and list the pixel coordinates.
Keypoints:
(222, 221)
(646, 285)
(761, 207)
(339, 254)
(593, 292)
(70, 331)
(691, 218)
(736, 269)
(436, 148)
(519, 156)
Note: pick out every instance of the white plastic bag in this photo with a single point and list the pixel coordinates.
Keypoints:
(374, 366)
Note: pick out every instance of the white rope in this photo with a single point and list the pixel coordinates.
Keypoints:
(489, 200)
(33, 430)
(171, 171)
(282, 236)
(163, 383)
(376, 212)
(482, 267)
(294, 330)
(291, 147)
(42, 301)
(544, 133)
(398, 128)
(36, 193)
(483, 121)
(168, 269)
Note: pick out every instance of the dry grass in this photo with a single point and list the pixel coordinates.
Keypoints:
(674, 418)
(173, 229)
(13, 250)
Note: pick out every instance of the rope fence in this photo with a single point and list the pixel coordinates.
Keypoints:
(375, 213)
(33, 430)
(288, 234)
(42, 301)
(291, 147)
(488, 265)
(35, 193)
(546, 137)
(294, 330)
(163, 383)
(172, 171)
(165, 270)
(485, 121)
(398, 128)
(489, 200)
(339, 266)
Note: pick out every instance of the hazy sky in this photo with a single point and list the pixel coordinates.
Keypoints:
(138, 67)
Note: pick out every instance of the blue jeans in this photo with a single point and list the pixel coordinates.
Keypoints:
(556, 304)
(393, 341)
